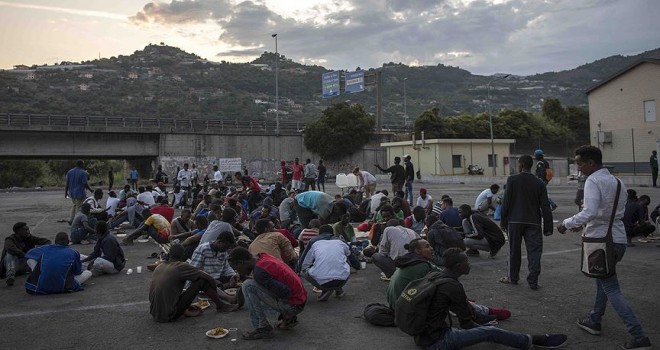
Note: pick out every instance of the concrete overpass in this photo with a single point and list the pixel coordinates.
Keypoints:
(146, 142)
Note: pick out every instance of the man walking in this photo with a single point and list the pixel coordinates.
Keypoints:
(525, 204)
(410, 177)
(76, 183)
(599, 193)
(653, 161)
(398, 174)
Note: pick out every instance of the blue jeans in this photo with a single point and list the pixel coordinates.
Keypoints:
(79, 234)
(408, 192)
(461, 338)
(609, 289)
(259, 300)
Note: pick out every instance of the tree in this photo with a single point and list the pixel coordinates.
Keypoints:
(431, 123)
(553, 110)
(342, 130)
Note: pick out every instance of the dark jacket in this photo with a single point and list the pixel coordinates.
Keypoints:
(18, 248)
(441, 237)
(410, 171)
(410, 267)
(541, 166)
(398, 173)
(447, 295)
(526, 202)
(109, 249)
(484, 227)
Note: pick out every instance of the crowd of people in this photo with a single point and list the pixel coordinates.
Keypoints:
(253, 246)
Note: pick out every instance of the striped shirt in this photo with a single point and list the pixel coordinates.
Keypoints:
(212, 262)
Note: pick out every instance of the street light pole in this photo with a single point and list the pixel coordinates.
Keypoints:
(405, 105)
(277, 92)
(490, 121)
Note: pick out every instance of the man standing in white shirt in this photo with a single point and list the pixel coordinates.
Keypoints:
(217, 175)
(185, 181)
(599, 193)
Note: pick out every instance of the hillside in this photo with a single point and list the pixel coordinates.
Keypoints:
(168, 82)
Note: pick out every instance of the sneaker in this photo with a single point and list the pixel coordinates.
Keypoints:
(638, 344)
(501, 314)
(325, 295)
(589, 327)
(549, 341)
(10, 281)
(261, 333)
(643, 240)
(472, 252)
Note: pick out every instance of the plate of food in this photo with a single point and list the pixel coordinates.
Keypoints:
(231, 291)
(217, 333)
(144, 240)
(121, 235)
(202, 304)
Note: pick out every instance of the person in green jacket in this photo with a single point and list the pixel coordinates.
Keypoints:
(413, 265)
(416, 264)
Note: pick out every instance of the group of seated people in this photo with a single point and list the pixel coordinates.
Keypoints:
(259, 257)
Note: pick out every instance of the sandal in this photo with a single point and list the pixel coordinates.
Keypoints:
(507, 280)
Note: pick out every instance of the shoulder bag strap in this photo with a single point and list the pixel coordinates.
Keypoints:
(616, 202)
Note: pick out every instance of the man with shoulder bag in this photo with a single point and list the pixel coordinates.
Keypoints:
(604, 244)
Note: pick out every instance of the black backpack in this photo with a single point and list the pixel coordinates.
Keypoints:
(379, 315)
(412, 307)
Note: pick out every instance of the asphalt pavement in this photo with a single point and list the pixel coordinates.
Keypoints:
(113, 311)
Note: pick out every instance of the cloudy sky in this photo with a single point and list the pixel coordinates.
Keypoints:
(483, 36)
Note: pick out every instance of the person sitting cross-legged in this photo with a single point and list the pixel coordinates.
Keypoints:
(56, 268)
(167, 300)
(274, 286)
(107, 257)
(155, 225)
(326, 267)
(82, 226)
(451, 296)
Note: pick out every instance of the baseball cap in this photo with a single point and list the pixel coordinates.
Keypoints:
(538, 152)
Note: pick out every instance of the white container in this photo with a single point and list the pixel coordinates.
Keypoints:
(129, 271)
(139, 269)
(363, 265)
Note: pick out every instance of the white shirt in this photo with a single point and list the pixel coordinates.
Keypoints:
(599, 194)
(185, 177)
(146, 198)
(327, 261)
(111, 205)
(482, 197)
(217, 176)
(394, 239)
(375, 202)
(424, 202)
(366, 178)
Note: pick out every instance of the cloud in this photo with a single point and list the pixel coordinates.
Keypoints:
(65, 10)
(484, 36)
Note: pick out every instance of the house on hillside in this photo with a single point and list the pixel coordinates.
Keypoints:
(623, 117)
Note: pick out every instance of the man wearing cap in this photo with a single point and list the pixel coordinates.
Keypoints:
(56, 268)
(13, 261)
(398, 174)
(542, 166)
(410, 177)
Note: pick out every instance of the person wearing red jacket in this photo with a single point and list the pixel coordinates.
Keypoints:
(274, 286)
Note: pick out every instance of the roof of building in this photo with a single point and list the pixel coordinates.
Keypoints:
(621, 72)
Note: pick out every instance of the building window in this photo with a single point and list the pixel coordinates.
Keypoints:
(456, 161)
(492, 164)
(649, 111)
